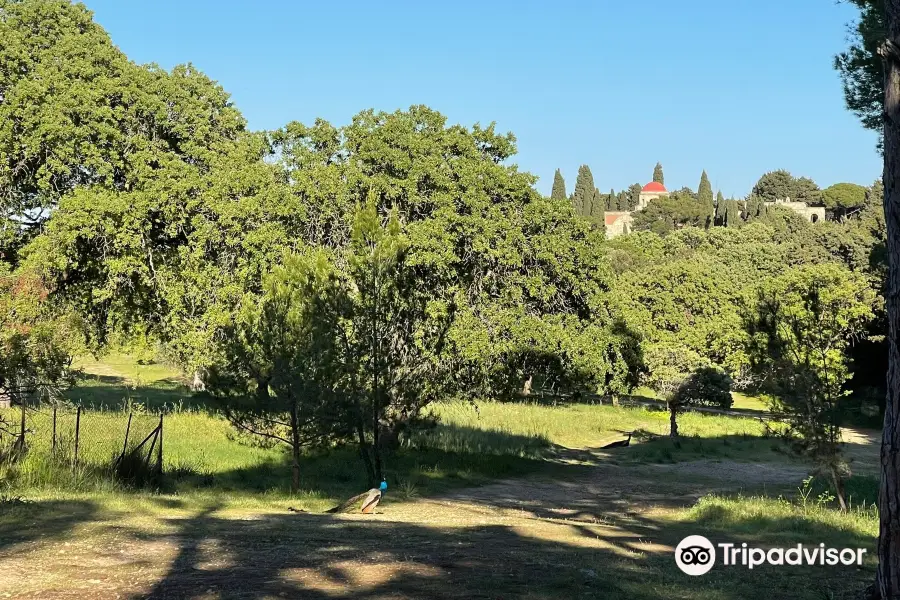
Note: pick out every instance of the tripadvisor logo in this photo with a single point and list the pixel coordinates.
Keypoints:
(696, 555)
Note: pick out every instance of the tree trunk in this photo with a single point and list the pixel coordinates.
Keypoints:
(526, 389)
(888, 576)
(295, 449)
(364, 448)
(839, 488)
(673, 423)
(197, 384)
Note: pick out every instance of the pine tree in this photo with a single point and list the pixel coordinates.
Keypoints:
(559, 187)
(720, 209)
(658, 176)
(705, 196)
(584, 191)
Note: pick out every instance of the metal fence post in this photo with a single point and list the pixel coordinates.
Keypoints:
(159, 461)
(125, 443)
(77, 435)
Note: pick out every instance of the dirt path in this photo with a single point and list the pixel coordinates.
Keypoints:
(607, 533)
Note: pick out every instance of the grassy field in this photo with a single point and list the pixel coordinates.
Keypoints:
(501, 500)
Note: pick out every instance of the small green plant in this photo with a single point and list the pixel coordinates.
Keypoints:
(406, 490)
(805, 491)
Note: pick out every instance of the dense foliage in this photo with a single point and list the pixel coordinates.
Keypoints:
(327, 282)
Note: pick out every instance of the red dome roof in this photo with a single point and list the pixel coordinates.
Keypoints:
(654, 187)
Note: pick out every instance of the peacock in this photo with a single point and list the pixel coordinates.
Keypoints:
(364, 503)
(620, 443)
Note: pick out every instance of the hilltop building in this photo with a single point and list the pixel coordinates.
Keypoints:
(619, 222)
(813, 214)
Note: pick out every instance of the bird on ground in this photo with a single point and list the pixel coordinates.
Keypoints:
(620, 443)
(364, 503)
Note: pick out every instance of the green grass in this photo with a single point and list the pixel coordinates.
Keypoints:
(587, 425)
(472, 444)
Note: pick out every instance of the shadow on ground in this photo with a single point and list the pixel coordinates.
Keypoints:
(110, 392)
(23, 522)
(442, 555)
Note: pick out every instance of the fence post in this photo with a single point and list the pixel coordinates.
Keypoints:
(125, 443)
(159, 460)
(77, 435)
(53, 448)
(22, 424)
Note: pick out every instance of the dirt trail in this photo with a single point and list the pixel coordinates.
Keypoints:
(540, 538)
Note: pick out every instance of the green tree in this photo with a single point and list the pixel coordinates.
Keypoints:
(584, 192)
(707, 386)
(755, 208)
(668, 213)
(658, 176)
(705, 196)
(597, 209)
(719, 216)
(843, 198)
(686, 309)
(559, 187)
(75, 113)
(396, 335)
(732, 213)
(36, 344)
(633, 195)
(860, 66)
(279, 372)
(177, 256)
(781, 185)
(799, 330)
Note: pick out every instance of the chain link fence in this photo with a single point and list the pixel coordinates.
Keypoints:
(40, 443)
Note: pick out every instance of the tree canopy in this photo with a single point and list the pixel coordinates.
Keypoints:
(860, 67)
(781, 185)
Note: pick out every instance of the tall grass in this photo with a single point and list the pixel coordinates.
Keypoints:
(586, 426)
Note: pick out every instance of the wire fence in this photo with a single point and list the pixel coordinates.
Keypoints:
(126, 444)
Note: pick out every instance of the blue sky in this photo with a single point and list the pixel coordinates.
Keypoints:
(737, 88)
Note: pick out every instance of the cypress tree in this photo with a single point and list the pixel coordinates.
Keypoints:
(612, 202)
(705, 196)
(755, 207)
(597, 212)
(634, 195)
(658, 176)
(720, 209)
(584, 191)
(732, 213)
(559, 187)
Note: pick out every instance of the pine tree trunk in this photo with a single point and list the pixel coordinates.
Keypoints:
(295, 449)
(364, 449)
(888, 576)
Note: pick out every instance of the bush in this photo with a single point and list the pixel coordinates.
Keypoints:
(707, 386)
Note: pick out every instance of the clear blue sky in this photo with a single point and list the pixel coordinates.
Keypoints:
(736, 87)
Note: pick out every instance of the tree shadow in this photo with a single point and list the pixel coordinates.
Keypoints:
(448, 456)
(25, 521)
(110, 392)
(630, 556)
